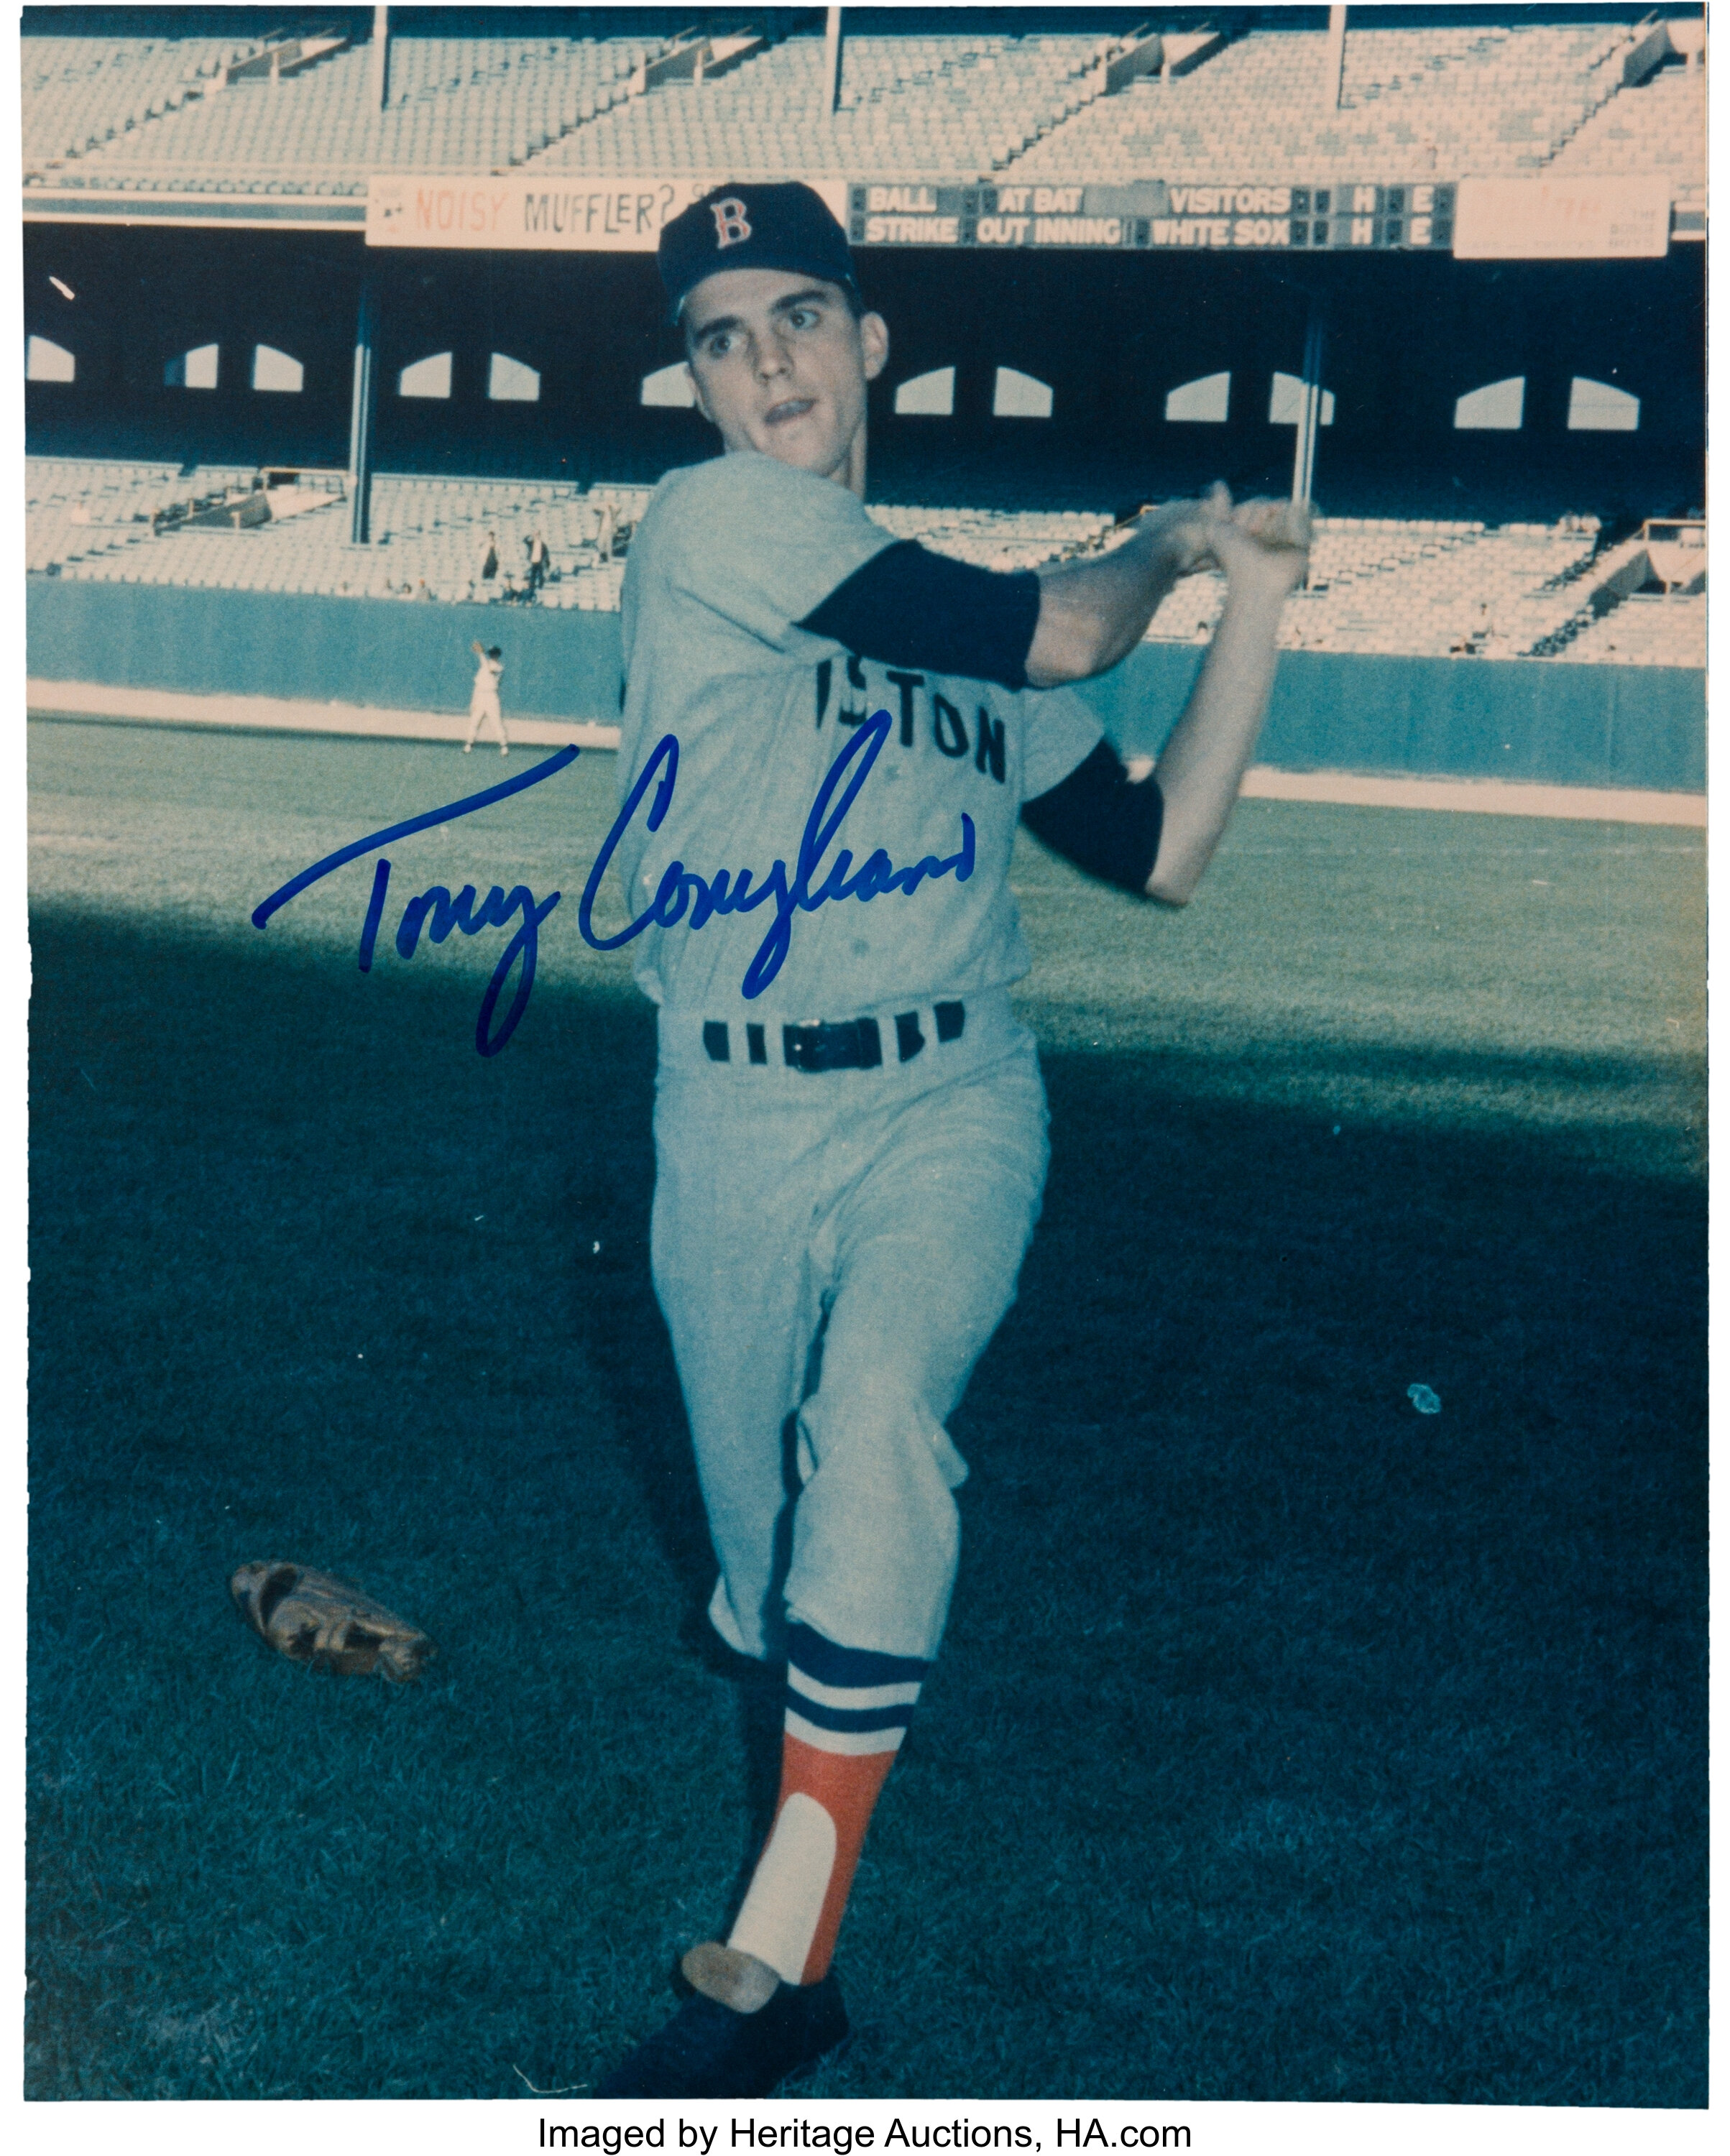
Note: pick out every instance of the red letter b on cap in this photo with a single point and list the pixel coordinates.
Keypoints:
(730, 225)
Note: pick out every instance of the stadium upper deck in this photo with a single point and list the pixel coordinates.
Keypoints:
(471, 104)
(1415, 103)
(932, 100)
(946, 108)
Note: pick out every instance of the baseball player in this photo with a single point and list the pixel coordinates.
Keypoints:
(828, 739)
(483, 698)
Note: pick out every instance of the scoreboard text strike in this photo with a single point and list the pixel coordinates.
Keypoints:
(1152, 214)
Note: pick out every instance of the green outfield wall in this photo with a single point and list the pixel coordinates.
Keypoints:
(1535, 719)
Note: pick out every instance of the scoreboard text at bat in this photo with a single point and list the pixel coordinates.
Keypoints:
(1154, 213)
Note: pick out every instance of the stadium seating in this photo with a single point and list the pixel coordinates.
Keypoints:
(1436, 590)
(951, 107)
(202, 112)
(1377, 585)
(997, 539)
(1646, 630)
(80, 93)
(1659, 127)
(1482, 99)
(149, 114)
(94, 522)
(937, 108)
(455, 105)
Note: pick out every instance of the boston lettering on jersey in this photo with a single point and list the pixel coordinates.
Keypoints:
(684, 892)
(948, 728)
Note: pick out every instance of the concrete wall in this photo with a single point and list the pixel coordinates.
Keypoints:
(1535, 719)
(407, 654)
(1542, 721)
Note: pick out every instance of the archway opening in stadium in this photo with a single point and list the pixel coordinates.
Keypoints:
(1600, 408)
(931, 394)
(1498, 408)
(277, 371)
(426, 377)
(669, 387)
(511, 381)
(196, 369)
(45, 360)
(1204, 402)
(1018, 396)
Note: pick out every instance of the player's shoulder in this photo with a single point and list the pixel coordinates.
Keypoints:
(749, 482)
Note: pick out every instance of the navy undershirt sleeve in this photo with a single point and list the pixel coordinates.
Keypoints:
(1101, 819)
(910, 607)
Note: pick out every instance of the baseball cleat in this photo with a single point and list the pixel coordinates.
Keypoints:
(710, 2048)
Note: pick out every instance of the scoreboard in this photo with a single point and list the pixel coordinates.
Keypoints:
(1152, 214)
(1530, 217)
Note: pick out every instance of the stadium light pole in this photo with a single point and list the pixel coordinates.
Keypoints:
(832, 61)
(1335, 77)
(360, 427)
(381, 57)
(1309, 417)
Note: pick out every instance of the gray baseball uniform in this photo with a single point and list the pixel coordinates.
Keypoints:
(841, 1214)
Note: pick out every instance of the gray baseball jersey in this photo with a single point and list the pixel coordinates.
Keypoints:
(729, 558)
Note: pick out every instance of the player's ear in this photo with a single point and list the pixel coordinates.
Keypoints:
(874, 343)
(696, 391)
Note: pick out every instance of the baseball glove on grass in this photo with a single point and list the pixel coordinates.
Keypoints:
(310, 1617)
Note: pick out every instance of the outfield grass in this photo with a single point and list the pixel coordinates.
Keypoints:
(1286, 1744)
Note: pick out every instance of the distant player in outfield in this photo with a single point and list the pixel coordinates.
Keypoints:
(484, 700)
(849, 1123)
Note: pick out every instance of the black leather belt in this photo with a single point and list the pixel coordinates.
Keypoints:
(853, 1044)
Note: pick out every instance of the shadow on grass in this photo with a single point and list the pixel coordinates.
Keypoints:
(1288, 1744)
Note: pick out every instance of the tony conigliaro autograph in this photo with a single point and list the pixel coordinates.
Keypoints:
(680, 886)
(684, 894)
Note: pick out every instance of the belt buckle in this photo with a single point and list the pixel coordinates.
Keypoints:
(801, 1044)
(853, 1044)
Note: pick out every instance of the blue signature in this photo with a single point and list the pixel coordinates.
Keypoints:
(438, 912)
(682, 889)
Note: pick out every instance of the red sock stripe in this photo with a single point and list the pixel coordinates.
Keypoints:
(847, 1786)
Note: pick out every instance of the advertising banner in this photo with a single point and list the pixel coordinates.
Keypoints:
(1556, 218)
(552, 212)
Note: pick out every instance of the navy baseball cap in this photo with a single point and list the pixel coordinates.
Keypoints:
(747, 224)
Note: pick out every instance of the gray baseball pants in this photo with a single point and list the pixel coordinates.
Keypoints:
(839, 1247)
